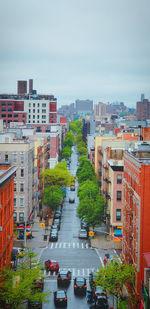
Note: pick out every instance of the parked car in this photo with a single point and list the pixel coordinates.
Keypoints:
(60, 298)
(71, 199)
(83, 234)
(55, 227)
(53, 235)
(80, 285)
(34, 305)
(38, 283)
(84, 225)
(57, 214)
(98, 291)
(52, 265)
(101, 302)
(59, 208)
(64, 277)
(72, 188)
(57, 222)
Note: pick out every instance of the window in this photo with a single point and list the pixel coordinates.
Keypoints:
(118, 214)
(119, 178)
(3, 109)
(22, 187)
(21, 201)
(22, 172)
(29, 117)
(14, 201)
(21, 216)
(43, 110)
(43, 116)
(14, 157)
(21, 157)
(3, 104)
(43, 121)
(33, 104)
(9, 109)
(9, 115)
(38, 111)
(9, 104)
(23, 116)
(33, 116)
(33, 110)
(15, 116)
(15, 216)
(38, 105)
(29, 104)
(119, 195)
(3, 115)
(6, 158)
(29, 110)
(52, 116)
(43, 104)
(15, 187)
(38, 117)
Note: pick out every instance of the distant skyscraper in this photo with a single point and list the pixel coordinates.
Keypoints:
(30, 86)
(84, 106)
(143, 110)
(142, 96)
(22, 86)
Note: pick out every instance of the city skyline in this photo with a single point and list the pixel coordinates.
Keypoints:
(77, 50)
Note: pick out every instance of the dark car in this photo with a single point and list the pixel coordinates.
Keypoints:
(64, 277)
(80, 285)
(60, 298)
(101, 302)
(83, 234)
(34, 305)
(72, 188)
(52, 265)
(84, 225)
(53, 236)
(55, 227)
(71, 199)
(38, 283)
(92, 277)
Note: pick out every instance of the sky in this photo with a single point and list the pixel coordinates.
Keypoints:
(83, 49)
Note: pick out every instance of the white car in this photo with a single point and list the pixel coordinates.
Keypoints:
(82, 234)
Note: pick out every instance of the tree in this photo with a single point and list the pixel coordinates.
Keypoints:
(76, 126)
(66, 152)
(17, 287)
(88, 188)
(85, 171)
(52, 196)
(92, 210)
(57, 176)
(116, 275)
(82, 150)
(69, 139)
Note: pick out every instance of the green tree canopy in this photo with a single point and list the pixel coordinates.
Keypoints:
(88, 188)
(82, 150)
(85, 171)
(52, 196)
(66, 152)
(76, 126)
(69, 139)
(57, 176)
(17, 287)
(92, 210)
(116, 275)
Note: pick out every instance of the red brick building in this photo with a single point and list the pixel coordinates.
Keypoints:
(12, 111)
(136, 210)
(6, 213)
(143, 110)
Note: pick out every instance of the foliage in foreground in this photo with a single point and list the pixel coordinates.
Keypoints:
(52, 196)
(17, 287)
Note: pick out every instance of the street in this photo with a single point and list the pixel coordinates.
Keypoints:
(71, 252)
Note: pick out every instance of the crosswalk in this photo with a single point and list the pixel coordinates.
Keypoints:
(75, 272)
(68, 245)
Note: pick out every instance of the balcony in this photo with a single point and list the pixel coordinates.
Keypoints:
(107, 180)
(108, 197)
(100, 172)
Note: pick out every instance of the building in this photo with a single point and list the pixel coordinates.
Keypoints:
(143, 110)
(28, 107)
(7, 175)
(84, 107)
(136, 210)
(22, 87)
(99, 110)
(20, 153)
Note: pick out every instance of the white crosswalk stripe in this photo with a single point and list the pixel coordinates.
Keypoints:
(68, 245)
(83, 272)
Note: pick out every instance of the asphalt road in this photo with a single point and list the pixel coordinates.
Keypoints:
(71, 253)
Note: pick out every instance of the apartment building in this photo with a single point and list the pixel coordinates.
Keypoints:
(136, 211)
(143, 110)
(7, 175)
(20, 153)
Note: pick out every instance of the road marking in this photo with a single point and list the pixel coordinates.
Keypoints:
(99, 257)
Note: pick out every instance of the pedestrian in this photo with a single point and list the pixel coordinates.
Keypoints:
(105, 261)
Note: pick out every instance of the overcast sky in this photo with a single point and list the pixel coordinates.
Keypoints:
(83, 49)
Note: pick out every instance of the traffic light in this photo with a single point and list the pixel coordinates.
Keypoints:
(91, 234)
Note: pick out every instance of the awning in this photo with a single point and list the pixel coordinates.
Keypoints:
(147, 258)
